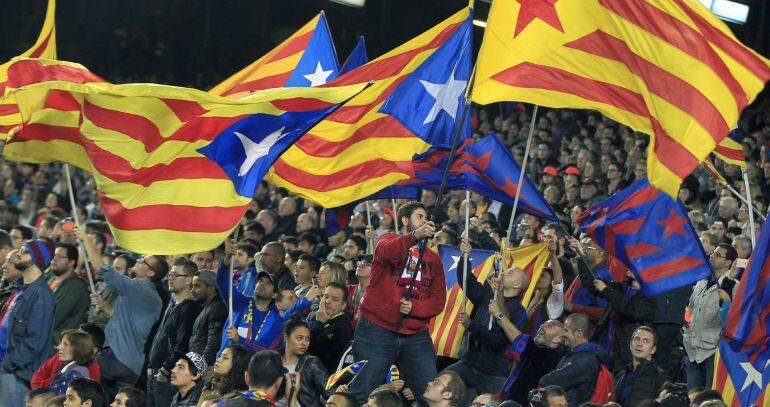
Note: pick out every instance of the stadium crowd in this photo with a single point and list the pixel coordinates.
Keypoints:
(301, 305)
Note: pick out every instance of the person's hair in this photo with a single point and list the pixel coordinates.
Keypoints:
(712, 238)
(82, 346)
(706, 395)
(189, 268)
(72, 251)
(255, 227)
(249, 248)
(234, 379)
(265, 367)
(49, 221)
(280, 250)
(552, 391)
(272, 214)
(27, 232)
(580, 323)
(337, 272)
(5, 239)
(294, 254)
(290, 240)
(57, 401)
(136, 397)
(313, 261)
(96, 333)
(494, 400)
(160, 267)
(745, 242)
(359, 241)
(406, 210)
(385, 398)
(349, 400)
(309, 238)
(451, 235)
(457, 387)
(646, 328)
(344, 290)
(88, 389)
(730, 253)
(100, 238)
(292, 324)
(44, 393)
(130, 261)
(713, 403)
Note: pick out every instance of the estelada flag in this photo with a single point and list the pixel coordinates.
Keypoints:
(667, 68)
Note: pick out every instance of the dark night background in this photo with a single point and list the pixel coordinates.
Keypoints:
(198, 43)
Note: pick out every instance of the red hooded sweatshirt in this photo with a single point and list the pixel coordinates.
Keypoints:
(389, 282)
(47, 371)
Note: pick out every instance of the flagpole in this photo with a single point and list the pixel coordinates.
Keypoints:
(370, 246)
(750, 207)
(77, 224)
(467, 237)
(743, 199)
(395, 214)
(232, 266)
(504, 245)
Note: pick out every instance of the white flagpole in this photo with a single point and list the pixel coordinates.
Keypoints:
(465, 256)
(750, 208)
(77, 223)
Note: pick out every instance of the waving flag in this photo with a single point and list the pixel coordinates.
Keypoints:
(307, 58)
(742, 374)
(708, 165)
(730, 149)
(667, 68)
(485, 167)
(650, 233)
(356, 58)
(368, 144)
(45, 47)
(175, 168)
(445, 329)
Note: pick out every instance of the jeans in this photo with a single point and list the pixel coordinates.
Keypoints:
(700, 374)
(12, 390)
(476, 382)
(413, 354)
(159, 394)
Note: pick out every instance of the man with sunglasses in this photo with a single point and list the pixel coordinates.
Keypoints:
(26, 322)
(137, 309)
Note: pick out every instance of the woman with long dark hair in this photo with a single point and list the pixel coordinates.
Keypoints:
(312, 373)
(226, 379)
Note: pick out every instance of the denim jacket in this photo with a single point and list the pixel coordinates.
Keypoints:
(29, 330)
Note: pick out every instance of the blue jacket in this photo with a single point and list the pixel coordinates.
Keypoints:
(30, 329)
(577, 373)
(257, 330)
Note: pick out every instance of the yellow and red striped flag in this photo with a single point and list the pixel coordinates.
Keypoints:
(667, 68)
(175, 168)
(368, 144)
(45, 47)
(307, 58)
(730, 149)
(708, 165)
(445, 329)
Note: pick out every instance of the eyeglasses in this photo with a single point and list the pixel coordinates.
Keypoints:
(438, 381)
(718, 255)
(143, 260)
(175, 275)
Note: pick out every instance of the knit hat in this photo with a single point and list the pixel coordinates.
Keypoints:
(207, 277)
(198, 361)
(41, 251)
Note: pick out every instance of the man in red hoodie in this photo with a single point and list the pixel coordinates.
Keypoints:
(393, 329)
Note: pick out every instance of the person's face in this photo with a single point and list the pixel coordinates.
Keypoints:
(511, 278)
(298, 341)
(264, 289)
(65, 350)
(336, 401)
(178, 281)
(266, 221)
(613, 172)
(418, 218)
(351, 250)
(199, 290)
(437, 389)
(482, 400)
(119, 264)
(324, 276)
(72, 399)
(334, 300)
(738, 246)
(550, 335)
(587, 192)
(142, 268)
(224, 362)
(543, 151)
(305, 247)
(642, 346)
(10, 272)
(242, 259)
(337, 239)
(288, 299)
(204, 260)
(271, 259)
(302, 272)
(16, 238)
(120, 400)
(363, 269)
(287, 207)
(569, 335)
(453, 213)
(304, 223)
(181, 376)
(60, 263)
(544, 281)
(24, 260)
(726, 210)
(718, 259)
(51, 201)
(552, 238)
(707, 246)
(717, 229)
(428, 198)
(557, 401)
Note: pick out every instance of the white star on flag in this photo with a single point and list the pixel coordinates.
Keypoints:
(319, 77)
(752, 376)
(446, 95)
(255, 151)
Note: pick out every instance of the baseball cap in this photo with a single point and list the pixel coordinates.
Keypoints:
(550, 170)
(270, 277)
(572, 170)
(207, 277)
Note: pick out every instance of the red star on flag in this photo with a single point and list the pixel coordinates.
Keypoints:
(673, 224)
(542, 9)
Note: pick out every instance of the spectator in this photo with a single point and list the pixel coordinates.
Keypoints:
(129, 397)
(311, 371)
(269, 220)
(28, 322)
(577, 372)
(642, 379)
(101, 311)
(204, 260)
(384, 398)
(305, 272)
(391, 331)
(667, 324)
(341, 400)
(356, 291)
(354, 247)
(309, 304)
(207, 329)
(307, 241)
(187, 377)
(11, 276)
(244, 268)
(84, 392)
(70, 290)
(271, 260)
(136, 311)
(332, 330)
(172, 339)
(285, 301)
(20, 234)
(446, 390)
(548, 300)
(555, 396)
(75, 358)
(38, 397)
(486, 400)
(266, 376)
(226, 379)
(706, 396)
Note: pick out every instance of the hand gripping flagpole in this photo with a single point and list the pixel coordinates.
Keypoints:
(442, 188)
(467, 237)
(230, 286)
(523, 170)
(77, 224)
(750, 208)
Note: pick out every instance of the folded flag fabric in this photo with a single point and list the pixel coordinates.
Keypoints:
(175, 168)
(346, 375)
(730, 149)
(649, 232)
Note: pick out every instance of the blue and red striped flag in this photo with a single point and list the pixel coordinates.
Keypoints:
(742, 374)
(649, 232)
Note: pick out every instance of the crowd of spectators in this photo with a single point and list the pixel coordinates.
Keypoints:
(158, 330)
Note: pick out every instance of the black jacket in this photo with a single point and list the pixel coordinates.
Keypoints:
(641, 384)
(207, 330)
(671, 306)
(191, 399)
(536, 362)
(312, 381)
(486, 348)
(173, 337)
(328, 341)
(577, 373)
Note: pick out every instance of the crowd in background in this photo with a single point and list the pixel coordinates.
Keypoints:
(172, 331)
